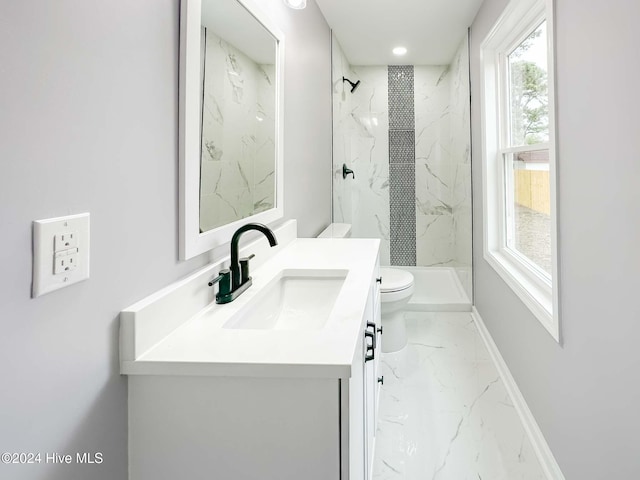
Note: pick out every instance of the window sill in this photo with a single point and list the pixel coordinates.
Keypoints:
(536, 295)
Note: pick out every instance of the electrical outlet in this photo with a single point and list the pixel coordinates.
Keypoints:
(65, 261)
(60, 252)
(73, 259)
(65, 241)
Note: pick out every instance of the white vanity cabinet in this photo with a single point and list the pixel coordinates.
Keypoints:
(362, 394)
(270, 423)
(372, 372)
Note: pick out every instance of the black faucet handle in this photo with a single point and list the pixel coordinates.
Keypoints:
(244, 268)
(224, 278)
(347, 171)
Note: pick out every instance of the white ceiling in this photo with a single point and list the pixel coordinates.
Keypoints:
(431, 30)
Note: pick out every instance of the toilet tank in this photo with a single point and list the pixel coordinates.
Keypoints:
(336, 230)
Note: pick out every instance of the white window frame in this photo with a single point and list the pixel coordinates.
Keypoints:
(537, 290)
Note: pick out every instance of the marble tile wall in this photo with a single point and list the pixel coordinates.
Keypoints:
(442, 159)
(361, 129)
(264, 161)
(238, 131)
(342, 131)
(434, 213)
(460, 153)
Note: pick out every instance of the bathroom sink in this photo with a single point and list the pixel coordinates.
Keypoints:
(295, 299)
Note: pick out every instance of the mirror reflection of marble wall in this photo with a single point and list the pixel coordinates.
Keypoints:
(237, 170)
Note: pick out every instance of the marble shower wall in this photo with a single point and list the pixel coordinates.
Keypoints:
(460, 152)
(238, 131)
(442, 163)
(341, 133)
(361, 129)
(434, 212)
(443, 166)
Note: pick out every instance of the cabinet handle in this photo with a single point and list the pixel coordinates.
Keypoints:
(381, 380)
(380, 330)
(373, 327)
(371, 349)
(379, 279)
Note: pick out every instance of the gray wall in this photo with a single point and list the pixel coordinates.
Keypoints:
(88, 122)
(307, 122)
(585, 393)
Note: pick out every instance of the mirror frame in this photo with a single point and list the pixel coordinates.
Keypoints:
(191, 241)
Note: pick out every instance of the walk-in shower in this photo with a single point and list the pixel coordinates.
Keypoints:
(405, 132)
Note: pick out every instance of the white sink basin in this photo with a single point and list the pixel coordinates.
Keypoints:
(293, 300)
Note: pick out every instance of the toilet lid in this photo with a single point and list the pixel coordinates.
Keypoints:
(394, 279)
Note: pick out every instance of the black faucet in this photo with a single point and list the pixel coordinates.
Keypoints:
(236, 279)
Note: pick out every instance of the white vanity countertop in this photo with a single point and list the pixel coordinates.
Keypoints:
(201, 346)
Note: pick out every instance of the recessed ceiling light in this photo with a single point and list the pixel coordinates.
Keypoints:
(297, 4)
(399, 51)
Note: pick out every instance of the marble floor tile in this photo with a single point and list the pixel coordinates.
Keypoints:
(444, 412)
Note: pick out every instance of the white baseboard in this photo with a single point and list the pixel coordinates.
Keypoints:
(540, 446)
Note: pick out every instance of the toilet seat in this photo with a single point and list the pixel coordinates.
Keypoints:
(395, 280)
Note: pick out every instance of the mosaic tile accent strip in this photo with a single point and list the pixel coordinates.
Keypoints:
(402, 146)
(401, 96)
(402, 166)
(402, 213)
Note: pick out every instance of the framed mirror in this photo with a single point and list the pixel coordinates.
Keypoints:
(231, 104)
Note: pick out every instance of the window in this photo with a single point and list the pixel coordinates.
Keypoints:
(519, 155)
(525, 151)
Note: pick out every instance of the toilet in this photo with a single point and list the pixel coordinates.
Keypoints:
(336, 230)
(395, 291)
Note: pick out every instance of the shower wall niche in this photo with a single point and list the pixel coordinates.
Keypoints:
(405, 132)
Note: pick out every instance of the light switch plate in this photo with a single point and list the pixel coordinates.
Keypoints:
(60, 252)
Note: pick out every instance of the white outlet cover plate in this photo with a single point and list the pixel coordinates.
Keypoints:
(44, 233)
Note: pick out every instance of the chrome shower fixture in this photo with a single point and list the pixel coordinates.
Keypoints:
(353, 85)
